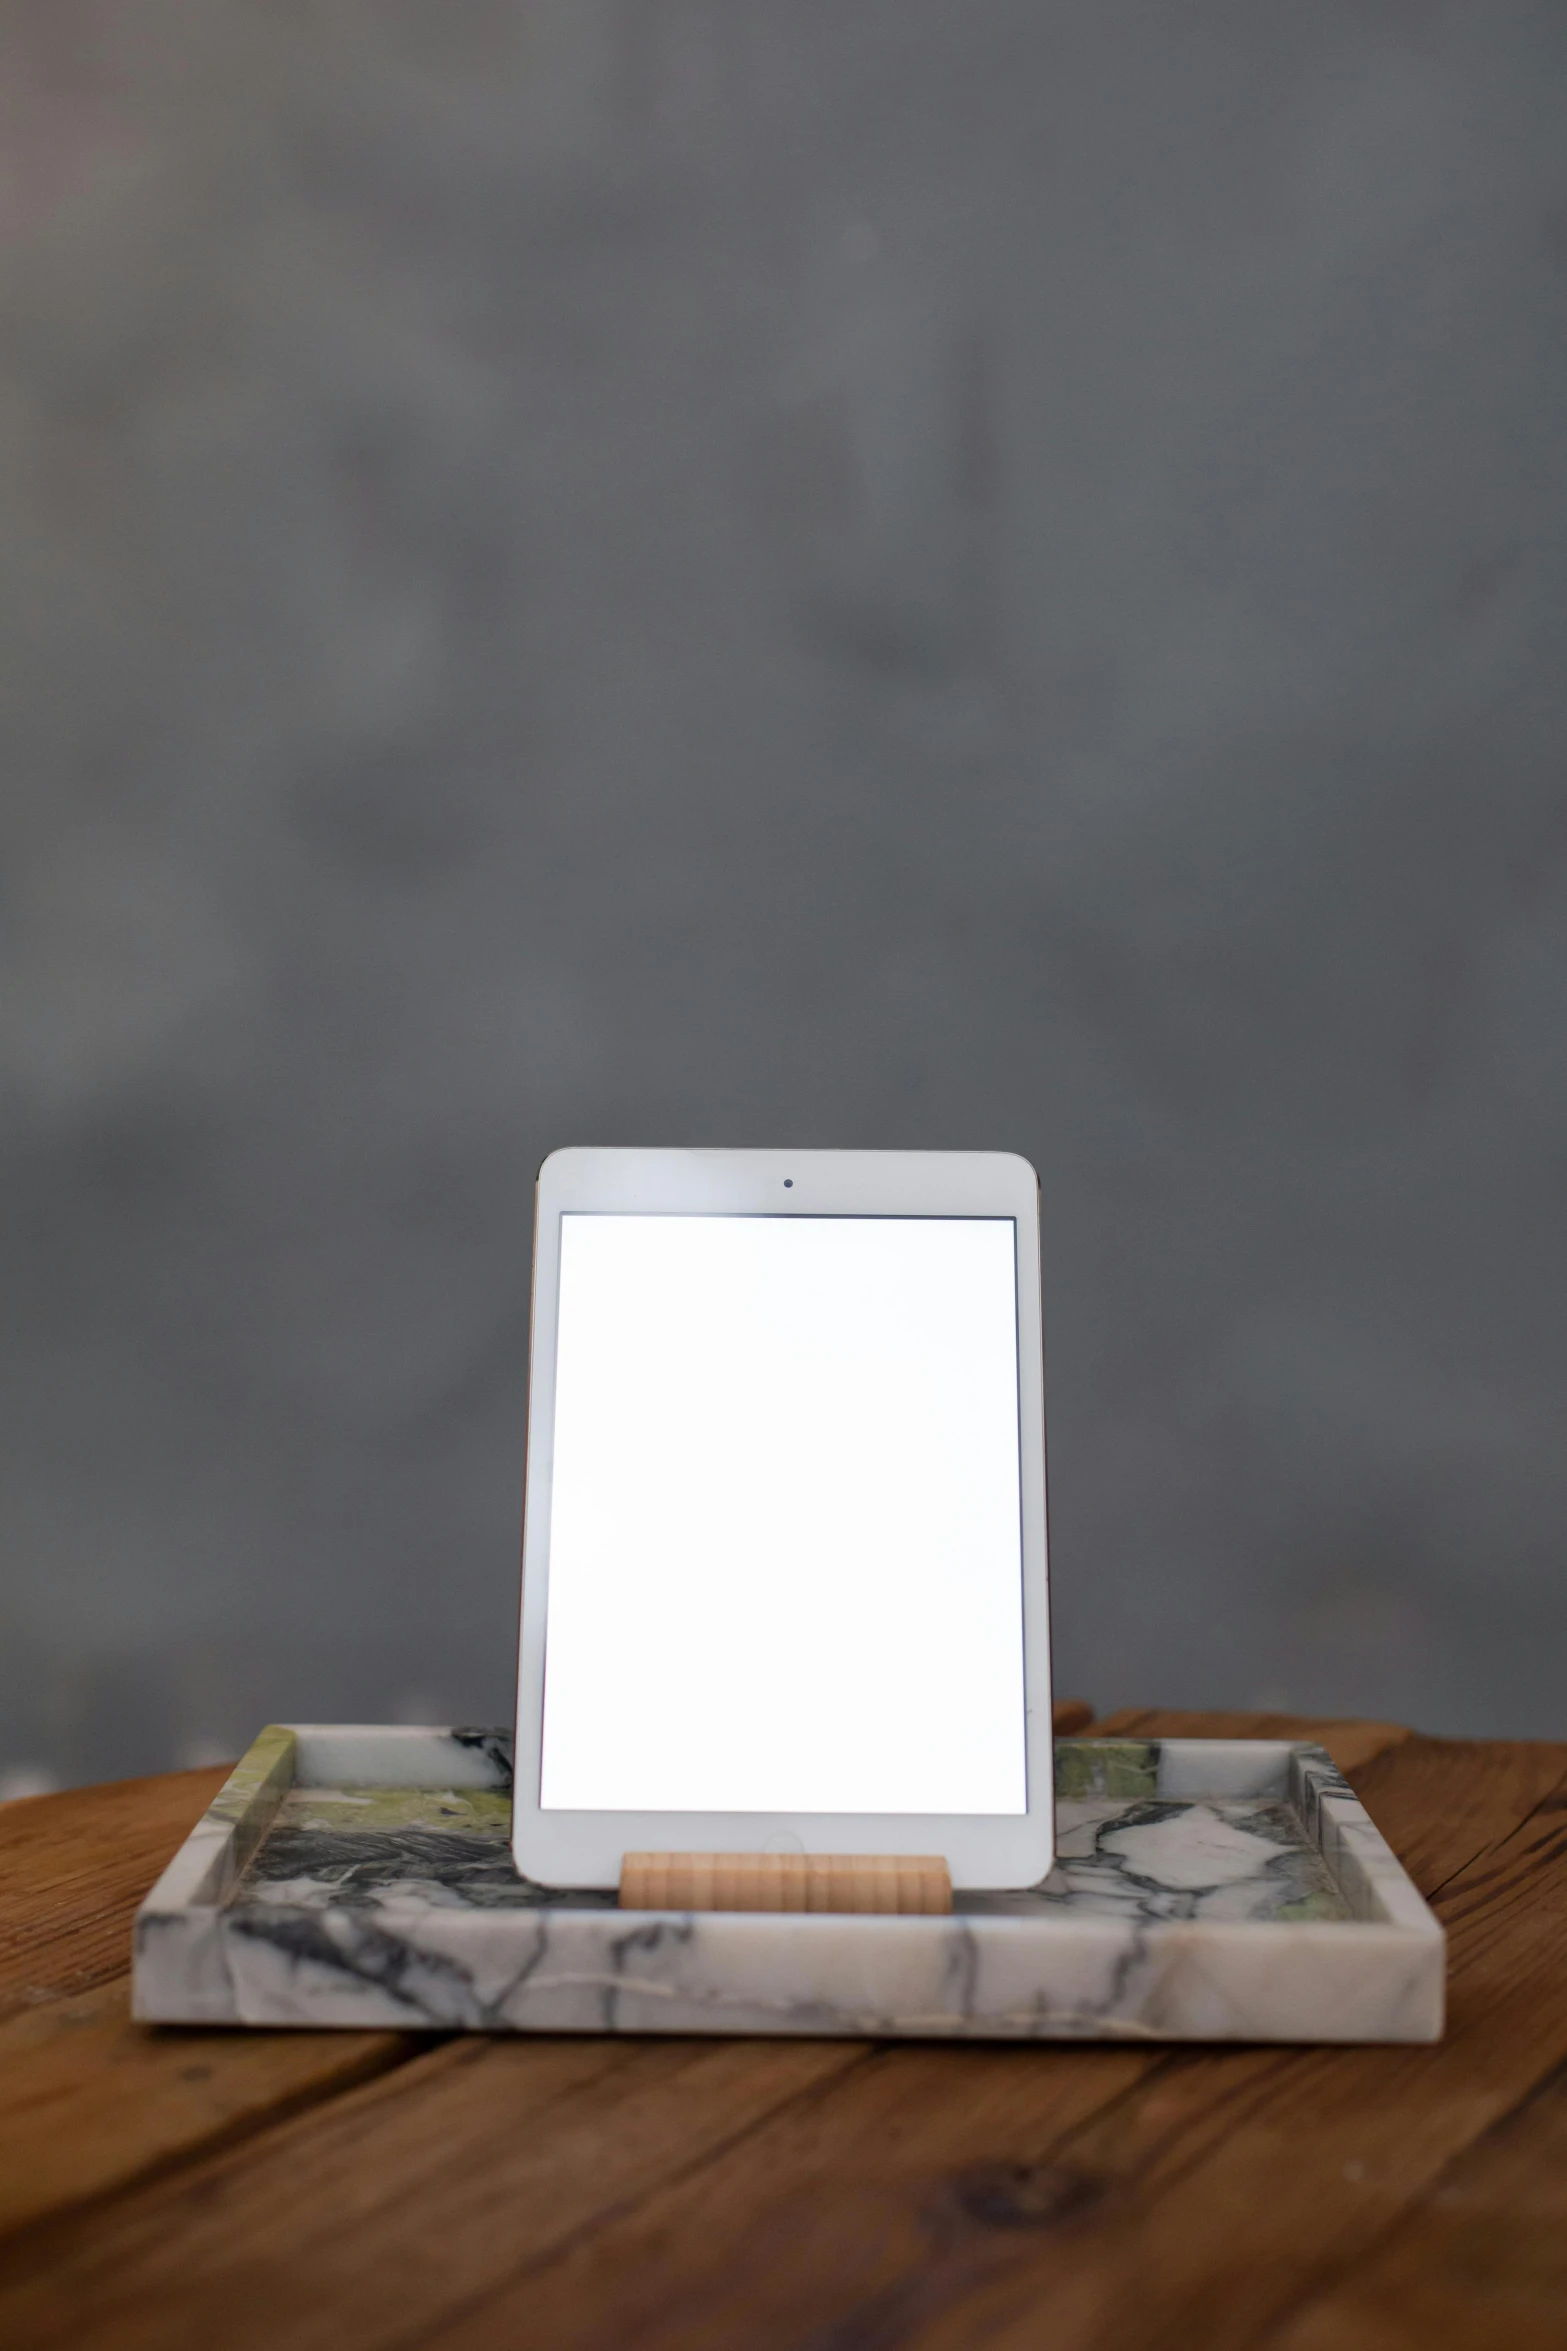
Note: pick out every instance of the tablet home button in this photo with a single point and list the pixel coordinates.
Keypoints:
(785, 1841)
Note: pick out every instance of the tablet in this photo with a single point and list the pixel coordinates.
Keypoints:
(784, 1579)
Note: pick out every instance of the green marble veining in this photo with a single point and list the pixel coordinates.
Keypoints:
(361, 1848)
(266, 1767)
(1132, 1857)
(244, 1807)
(1107, 1767)
(473, 1811)
(1122, 1850)
(373, 1904)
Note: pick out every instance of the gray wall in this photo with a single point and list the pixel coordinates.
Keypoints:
(831, 571)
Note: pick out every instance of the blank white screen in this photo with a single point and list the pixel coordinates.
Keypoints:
(785, 1560)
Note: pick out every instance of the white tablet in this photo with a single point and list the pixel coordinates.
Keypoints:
(784, 1545)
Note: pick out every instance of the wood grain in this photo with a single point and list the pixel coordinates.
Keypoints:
(1478, 2262)
(1196, 2204)
(90, 2101)
(390, 2210)
(72, 1870)
(918, 1883)
(787, 2196)
(1441, 1805)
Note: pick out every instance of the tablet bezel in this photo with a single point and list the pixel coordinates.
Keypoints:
(570, 1848)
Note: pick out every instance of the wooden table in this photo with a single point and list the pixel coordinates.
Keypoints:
(229, 2190)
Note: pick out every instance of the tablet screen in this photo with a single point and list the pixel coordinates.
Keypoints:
(785, 1563)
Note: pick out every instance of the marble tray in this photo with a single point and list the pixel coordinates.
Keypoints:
(1206, 1890)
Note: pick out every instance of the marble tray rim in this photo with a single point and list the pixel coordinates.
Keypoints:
(186, 1917)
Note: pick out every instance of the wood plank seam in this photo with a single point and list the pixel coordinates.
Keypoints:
(889, 2316)
(23, 2252)
(39, 2251)
(1554, 1843)
(1499, 1859)
(539, 2263)
(1250, 2096)
(1552, 1797)
(1408, 2219)
(626, 2206)
(1232, 2105)
(30, 2237)
(35, 2235)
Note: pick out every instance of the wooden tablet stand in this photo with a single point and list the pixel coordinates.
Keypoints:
(895, 1882)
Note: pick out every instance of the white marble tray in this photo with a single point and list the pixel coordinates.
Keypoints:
(1207, 1890)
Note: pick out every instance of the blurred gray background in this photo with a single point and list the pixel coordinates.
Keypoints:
(823, 571)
